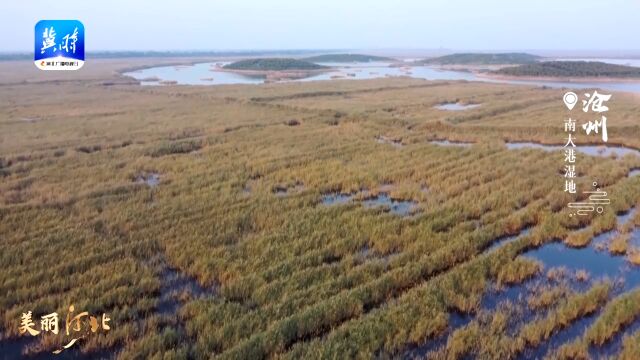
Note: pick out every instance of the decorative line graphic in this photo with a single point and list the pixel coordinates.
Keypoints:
(596, 200)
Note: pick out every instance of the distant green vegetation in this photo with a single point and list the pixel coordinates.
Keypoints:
(572, 69)
(347, 58)
(267, 64)
(483, 59)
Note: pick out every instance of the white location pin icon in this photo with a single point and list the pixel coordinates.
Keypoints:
(570, 99)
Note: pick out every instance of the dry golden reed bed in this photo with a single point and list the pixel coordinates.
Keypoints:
(293, 278)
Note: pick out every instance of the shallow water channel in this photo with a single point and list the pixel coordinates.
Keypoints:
(591, 150)
(567, 262)
(394, 206)
(456, 106)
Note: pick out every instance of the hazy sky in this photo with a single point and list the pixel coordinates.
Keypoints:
(335, 24)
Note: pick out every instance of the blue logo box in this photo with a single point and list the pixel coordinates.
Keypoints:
(59, 45)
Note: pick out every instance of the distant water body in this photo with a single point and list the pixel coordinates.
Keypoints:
(206, 74)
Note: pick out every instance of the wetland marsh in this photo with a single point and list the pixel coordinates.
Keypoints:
(313, 219)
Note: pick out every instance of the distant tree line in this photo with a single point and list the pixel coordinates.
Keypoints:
(572, 69)
(267, 64)
(347, 58)
(483, 59)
